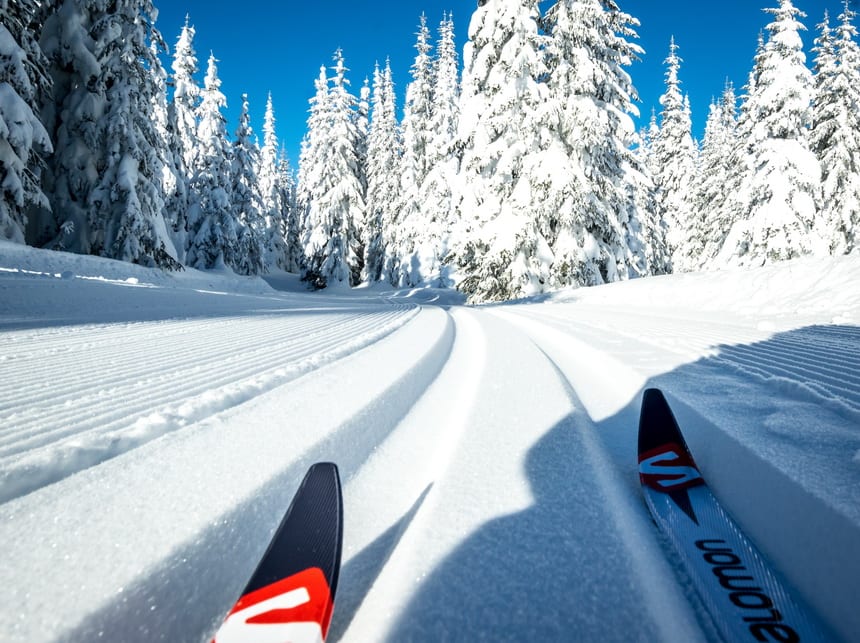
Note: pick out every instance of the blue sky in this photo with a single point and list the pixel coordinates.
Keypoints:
(267, 46)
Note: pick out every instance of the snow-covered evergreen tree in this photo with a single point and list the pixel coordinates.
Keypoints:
(213, 234)
(645, 150)
(362, 126)
(712, 191)
(23, 139)
(127, 204)
(182, 117)
(707, 190)
(675, 154)
(246, 198)
(417, 137)
(445, 109)
(658, 259)
(71, 116)
(174, 182)
(384, 149)
(435, 192)
(289, 216)
(500, 245)
(186, 98)
(836, 132)
(105, 176)
(733, 210)
(311, 169)
(777, 201)
(274, 209)
(362, 134)
(592, 189)
(331, 188)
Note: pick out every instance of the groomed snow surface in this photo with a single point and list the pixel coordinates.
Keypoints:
(154, 427)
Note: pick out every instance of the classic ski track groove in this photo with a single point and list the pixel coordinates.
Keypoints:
(797, 348)
(646, 559)
(420, 454)
(221, 549)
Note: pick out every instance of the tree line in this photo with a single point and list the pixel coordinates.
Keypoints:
(97, 160)
(776, 174)
(517, 173)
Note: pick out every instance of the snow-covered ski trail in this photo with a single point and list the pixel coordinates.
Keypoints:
(206, 521)
(768, 414)
(76, 396)
(543, 559)
(488, 454)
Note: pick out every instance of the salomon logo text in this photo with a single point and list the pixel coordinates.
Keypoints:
(764, 620)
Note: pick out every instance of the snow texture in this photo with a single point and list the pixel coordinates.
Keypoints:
(154, 426)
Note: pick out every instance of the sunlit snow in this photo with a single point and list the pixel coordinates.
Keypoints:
(154, 426)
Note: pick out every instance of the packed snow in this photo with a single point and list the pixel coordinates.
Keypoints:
(154, 427)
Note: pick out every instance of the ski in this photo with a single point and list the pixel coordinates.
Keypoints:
(745, 598)
(290, 596)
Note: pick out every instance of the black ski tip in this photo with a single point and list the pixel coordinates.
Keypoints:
(311, 533)
(665, 462)
(657, 424)
(323, 481)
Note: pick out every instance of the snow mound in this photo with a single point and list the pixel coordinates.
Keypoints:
(25, 260)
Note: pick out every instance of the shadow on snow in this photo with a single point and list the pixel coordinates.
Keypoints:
(559, 571)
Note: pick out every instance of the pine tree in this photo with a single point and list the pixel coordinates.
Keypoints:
(105, 175)
(435, 192)
(186, 99)
(331, 189)
(213, 235)
(182, 118)
(310, 176)
(362, 135)
(24, 142)
(647, 137)
(707, 188)
(274, 209)
(384, 149)
(417, 137)
(290, 230)
(593, 186)
(658, 259)
(419, 106)
(836, 132)
(675, 154)
(778, 199)
(712, 189)
(246, 198)
(731, 212)
(501, 250)
(446, 94)
(71, 115)
(127, 204)
(362, 126)
(174, 182)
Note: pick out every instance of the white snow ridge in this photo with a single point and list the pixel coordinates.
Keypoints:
(154, 427)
